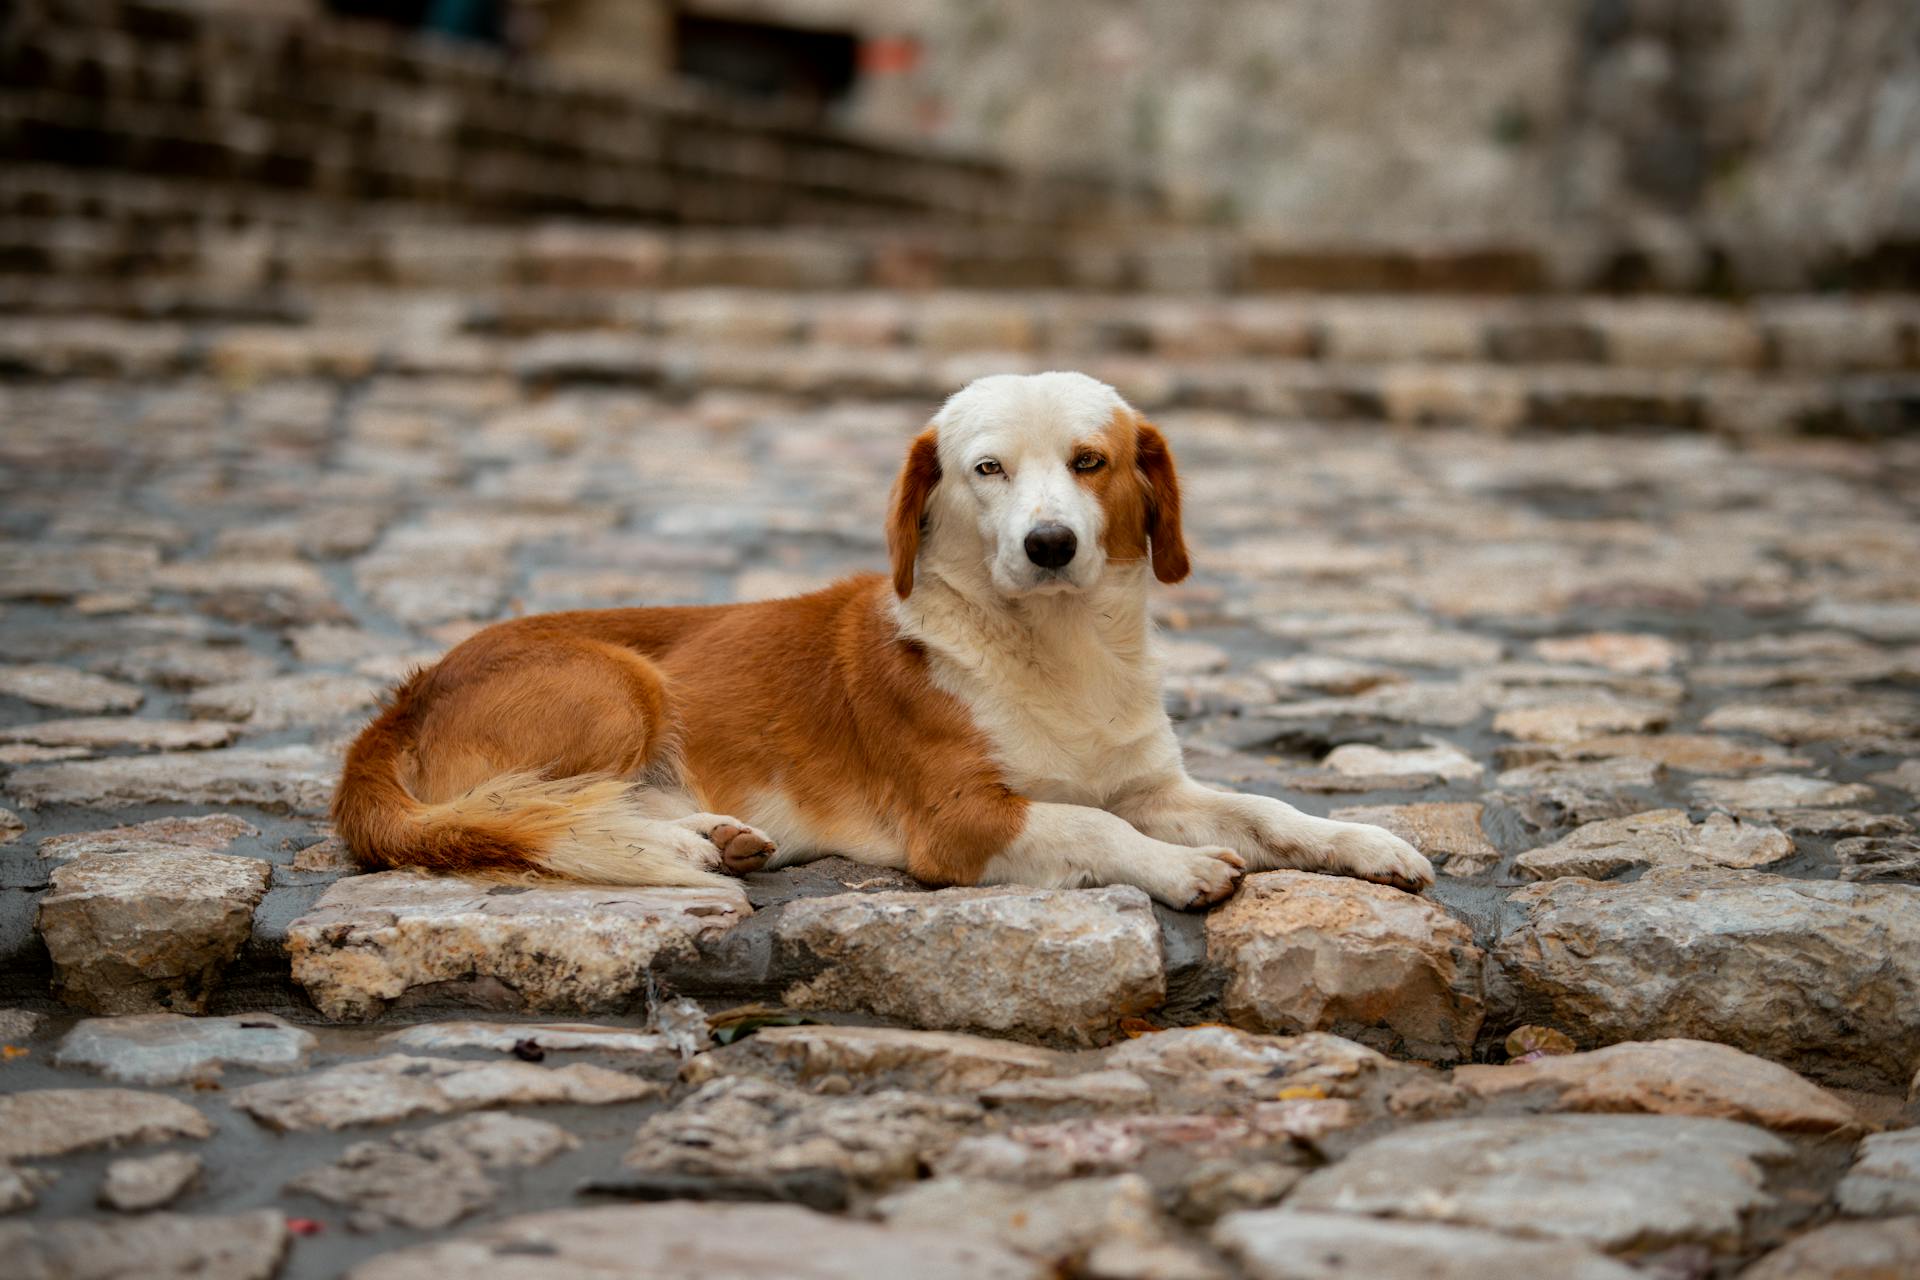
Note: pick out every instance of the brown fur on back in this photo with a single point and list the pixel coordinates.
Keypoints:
(814, 702)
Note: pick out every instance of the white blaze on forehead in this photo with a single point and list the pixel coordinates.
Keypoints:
(1040, 413)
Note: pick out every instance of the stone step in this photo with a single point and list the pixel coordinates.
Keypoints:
(1490, 396)
(68, 223)
(360, 110)
(1804, 334)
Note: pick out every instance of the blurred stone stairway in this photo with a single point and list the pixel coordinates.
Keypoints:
(243, 195)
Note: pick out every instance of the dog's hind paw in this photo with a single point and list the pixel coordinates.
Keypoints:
(739, 848)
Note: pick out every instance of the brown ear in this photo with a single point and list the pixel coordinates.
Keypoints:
(1155, 461)
(918, 475)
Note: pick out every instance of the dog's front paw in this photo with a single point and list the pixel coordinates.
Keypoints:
(1373, 853)
(1202, 877)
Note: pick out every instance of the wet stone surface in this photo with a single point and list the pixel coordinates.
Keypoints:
(1649, 696)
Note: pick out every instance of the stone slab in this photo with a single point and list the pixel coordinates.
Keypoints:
(148, 930)
(168, 1048)
(383, 1090)
(292, 779)
(372, 939)
(1305, 952)
(1039, 964)
(1289, 1244)
(161, 1246)
(1656, 838)
(1612, 1182)
(35, 1123)
(1670, 1077)
(1821, 975)
(700, 1242)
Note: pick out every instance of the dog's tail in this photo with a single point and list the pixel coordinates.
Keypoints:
(515, 825)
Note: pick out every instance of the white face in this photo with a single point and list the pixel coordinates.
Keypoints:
(1016, 454)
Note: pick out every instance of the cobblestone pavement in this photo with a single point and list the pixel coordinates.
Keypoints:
(1648, 697)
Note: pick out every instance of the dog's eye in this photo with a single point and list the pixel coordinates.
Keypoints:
(1089, 462)
(987, 467)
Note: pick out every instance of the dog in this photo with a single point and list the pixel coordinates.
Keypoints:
(990, 713)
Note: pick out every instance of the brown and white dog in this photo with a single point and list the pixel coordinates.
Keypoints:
(991, 714)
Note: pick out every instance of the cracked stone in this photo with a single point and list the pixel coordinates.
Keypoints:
(1838, 822)
(741, 1126)
(283, 702)
(155, 929)
(1686, 752)
(1097, 1145)
(1657, 838)
(1815, 974)
(292, 779)
(1906, 777)
(1215, 1188)
(68, 690)
(1612, 1182)
(187, 664)
(1287, 1244)
(928, 1061)
(1779, 791)
(1879, 858)
(1441, 759)
(53, 1122)
(553, 1037)
(1670, 1077)
(1326, 675)
(160, 1246)
(137, 1185)
(1421, 648)
(433, 1177)
(1305, 952)
(1888, 621)
(20, 1024)
(1625, 652)
(1226, 1062)
(211, 833)
(102, 732)
(372, 939)
(18, 754)
(1874, 724)
(168, 1048)
(1846, 1251)
(329, 854)
(1089, 1091)
(20, 1186)
(1040, 964)
(1421, 702)
(1556, 793)
(293, 578)
(712, 1240)
(1885, 1177)
(383, 1090)
(1109, 1227)
(1572, 721)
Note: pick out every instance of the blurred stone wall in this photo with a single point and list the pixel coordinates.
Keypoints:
(1685, 138)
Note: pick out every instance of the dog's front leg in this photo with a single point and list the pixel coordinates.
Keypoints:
(1269, 833)
(1064, 846)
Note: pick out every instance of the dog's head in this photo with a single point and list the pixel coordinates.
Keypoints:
(1036, 484)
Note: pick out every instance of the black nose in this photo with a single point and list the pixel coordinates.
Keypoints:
(1051, 545)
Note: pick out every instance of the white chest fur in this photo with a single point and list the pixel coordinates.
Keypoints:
(1066, 689)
